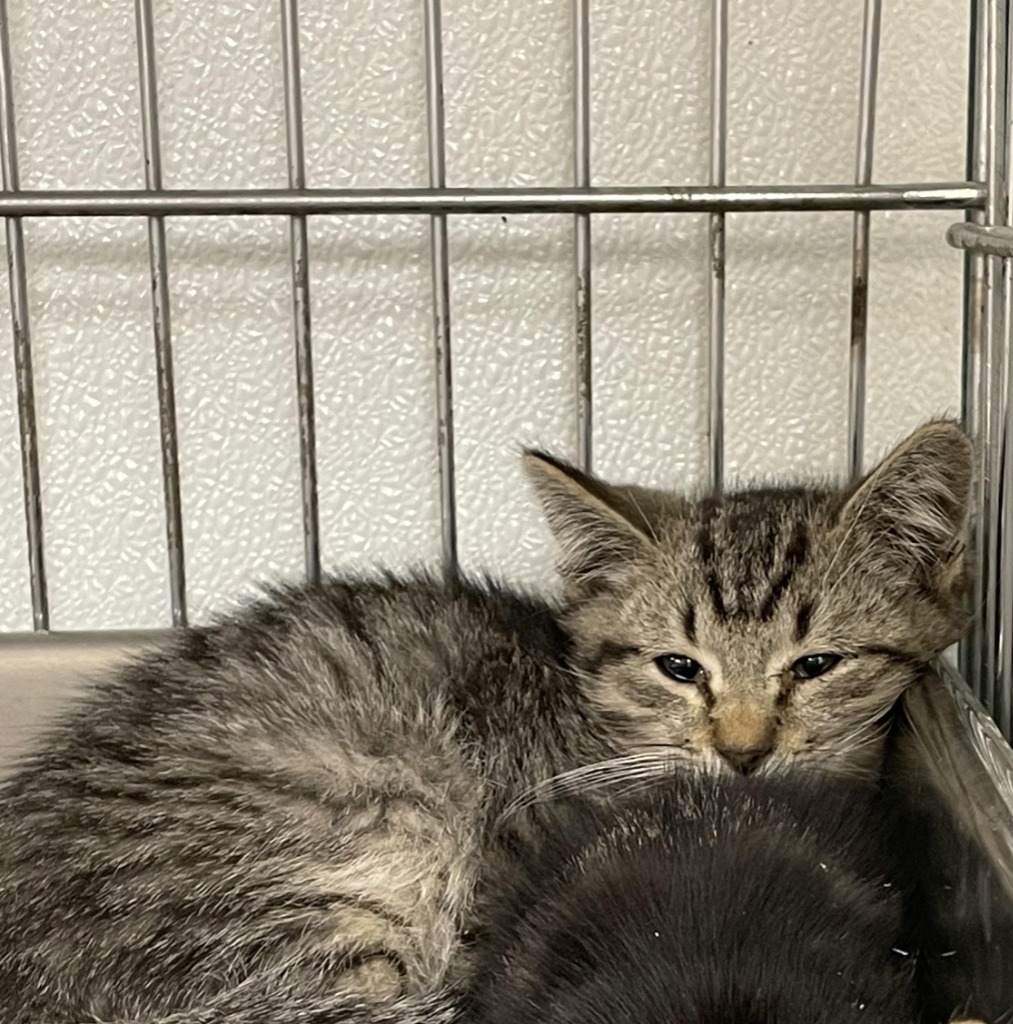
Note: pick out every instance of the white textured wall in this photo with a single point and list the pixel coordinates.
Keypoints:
(794, 86)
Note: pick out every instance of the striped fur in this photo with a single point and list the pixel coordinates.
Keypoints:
(286, 816)
(747, 584)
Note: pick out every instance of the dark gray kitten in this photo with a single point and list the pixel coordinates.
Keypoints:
(707, 900)
(284, 818)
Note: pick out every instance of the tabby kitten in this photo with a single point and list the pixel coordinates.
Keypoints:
(286, 816)
(708, 900)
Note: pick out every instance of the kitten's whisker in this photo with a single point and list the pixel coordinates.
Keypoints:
(592, 777)
(839, 749)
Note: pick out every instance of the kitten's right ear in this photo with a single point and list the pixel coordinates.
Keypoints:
(596, 528)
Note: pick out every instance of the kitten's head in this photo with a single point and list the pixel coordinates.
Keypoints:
(766, 626)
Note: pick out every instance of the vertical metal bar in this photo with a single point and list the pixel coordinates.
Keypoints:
(441, 287)
(582, 225)
(993, 375)
(1002, 708)
(974, 341)
(860, 239)
(716, 244)
(299, 249)
(160, 315)
(974, 170)
(18, 275)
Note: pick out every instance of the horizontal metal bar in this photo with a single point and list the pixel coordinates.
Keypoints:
(61, 658)
(961, 195)
(72, 640)
(988, 241)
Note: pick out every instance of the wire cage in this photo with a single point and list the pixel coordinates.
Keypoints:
(986, 655)
(948, 747)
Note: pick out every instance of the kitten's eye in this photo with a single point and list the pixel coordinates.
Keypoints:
(680, 668)
(813, 665)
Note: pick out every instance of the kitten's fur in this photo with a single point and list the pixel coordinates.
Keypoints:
(708, 900)
(285, 816)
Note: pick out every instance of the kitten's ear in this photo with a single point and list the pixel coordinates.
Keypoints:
(912, 508)
(599, 528)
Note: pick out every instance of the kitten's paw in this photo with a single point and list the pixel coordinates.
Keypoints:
(376, 979)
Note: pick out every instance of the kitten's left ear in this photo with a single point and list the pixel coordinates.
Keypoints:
(912, 508)
(600, 529)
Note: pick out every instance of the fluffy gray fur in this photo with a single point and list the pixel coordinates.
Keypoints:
(286, 816)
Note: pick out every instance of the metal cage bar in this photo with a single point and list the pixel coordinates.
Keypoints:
(439, 256)
(973, 312)
(18, 276)
(716, 250)
(988, 648)
(952, 195)
(987, 235)
(996, 212)
(860, 239)
(161, 322)
(299, 249)
(582, 226)
(1002, 704)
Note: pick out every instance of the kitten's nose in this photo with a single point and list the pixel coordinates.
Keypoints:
(745, 761)
(743, 733)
